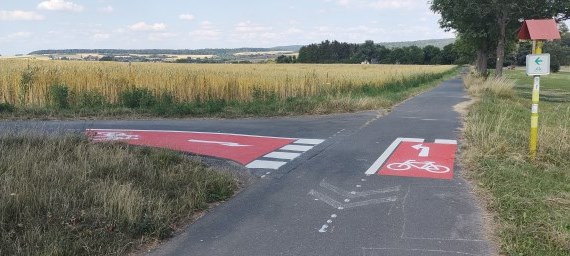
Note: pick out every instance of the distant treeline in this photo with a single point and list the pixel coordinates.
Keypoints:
(218, 52)
(336, 52)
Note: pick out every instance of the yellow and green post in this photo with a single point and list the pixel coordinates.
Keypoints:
(533, 145)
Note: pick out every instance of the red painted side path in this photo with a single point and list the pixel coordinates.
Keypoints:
(240, 148)
(421, 160)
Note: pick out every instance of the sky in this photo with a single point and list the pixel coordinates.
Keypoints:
(28, 25)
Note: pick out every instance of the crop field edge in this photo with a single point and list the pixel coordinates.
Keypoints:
(362, 98)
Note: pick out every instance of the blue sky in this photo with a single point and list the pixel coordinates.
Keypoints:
(27, 25)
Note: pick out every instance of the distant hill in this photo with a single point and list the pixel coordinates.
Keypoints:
(420, 43)
(217, 52)
(226, 52)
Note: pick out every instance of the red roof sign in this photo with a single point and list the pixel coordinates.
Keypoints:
(539, 30)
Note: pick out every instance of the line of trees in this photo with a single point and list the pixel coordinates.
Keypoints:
(335, 52)
(489, 27)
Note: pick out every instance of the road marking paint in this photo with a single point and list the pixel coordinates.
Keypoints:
(323, 228)
(218, 133)
(450, 142)
(334, 216)
(262, 164)
(223, 143)
(283, 155)
(338, 205)
(428, 119)
(309, 141)
(329, 221)
(424, 151)
(297, 148)
(380, 161)
(347, 200)
(242, 148)
(406, 162)
(354, 194)
(372, 201)
(327, 199)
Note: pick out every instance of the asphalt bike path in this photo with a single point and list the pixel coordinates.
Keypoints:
(327, 205)
(351, 184)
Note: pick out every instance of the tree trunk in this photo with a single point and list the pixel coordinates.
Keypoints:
(501, 45)
(482, 59)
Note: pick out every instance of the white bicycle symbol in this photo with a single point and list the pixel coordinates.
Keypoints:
(426, 166)
(113, 136)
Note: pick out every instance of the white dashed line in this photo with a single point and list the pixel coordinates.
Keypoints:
(283, 155)
(374, 168)
(262, 164)
(297, 148)
(451, 142)
(309, 141)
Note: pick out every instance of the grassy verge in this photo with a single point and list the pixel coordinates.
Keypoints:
(62, 195)
(530, 199)
(143, 104)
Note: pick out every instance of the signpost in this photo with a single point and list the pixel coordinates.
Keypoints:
(537, 64)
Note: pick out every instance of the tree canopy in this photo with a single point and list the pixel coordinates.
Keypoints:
(491, 25)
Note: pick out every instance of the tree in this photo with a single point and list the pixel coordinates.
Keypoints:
(473, 22)
(432, 55)
(508, 14)
(494, 23)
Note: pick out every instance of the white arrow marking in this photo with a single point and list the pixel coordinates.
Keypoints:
(223, 143)
(424, 150)
(355, 194)
(338, 205)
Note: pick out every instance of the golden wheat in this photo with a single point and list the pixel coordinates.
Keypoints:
(26, 82)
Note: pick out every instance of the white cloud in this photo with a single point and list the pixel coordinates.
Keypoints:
(161, 36)
(16, 36)
(186, 17)
(249, 27)
(20, 35)
(206, 31)
(294, 31)
(59, 5)
(143, 26)
(249, 32)
(101, 36)
(383, 4)
(394, 4)
(19, 15)
(107, 9)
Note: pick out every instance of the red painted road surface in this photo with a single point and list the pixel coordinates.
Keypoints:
(421, 160)
(240, 148)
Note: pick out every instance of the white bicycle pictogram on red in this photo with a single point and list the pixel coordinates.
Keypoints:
(426, 166)
(114, 136)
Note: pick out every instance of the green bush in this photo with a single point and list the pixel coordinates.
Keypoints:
(58, 96)
(137, 98)
(6, 107)
(91, 100)
(554, 67)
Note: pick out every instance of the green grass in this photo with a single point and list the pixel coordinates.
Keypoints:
(62, 195)
(530, 199)
(140, 104)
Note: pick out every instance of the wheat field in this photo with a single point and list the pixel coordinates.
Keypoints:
(27, 82)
